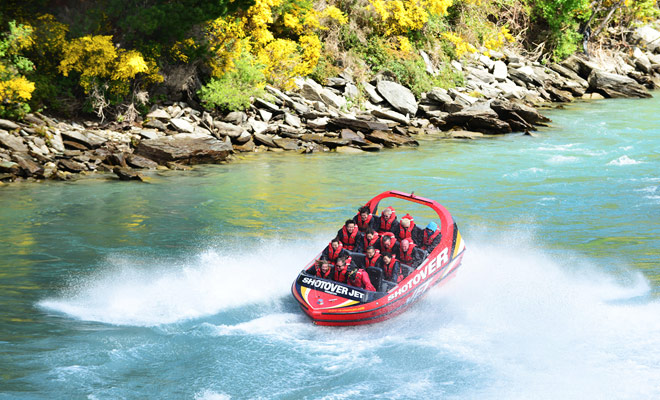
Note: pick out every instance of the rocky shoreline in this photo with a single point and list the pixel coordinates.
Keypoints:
(499, 97)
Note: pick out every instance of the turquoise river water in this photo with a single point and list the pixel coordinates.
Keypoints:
(180, 288)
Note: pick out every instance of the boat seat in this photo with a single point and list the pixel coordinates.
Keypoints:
(387, 285)
(376, 277)
(357, 258)
(406, 270)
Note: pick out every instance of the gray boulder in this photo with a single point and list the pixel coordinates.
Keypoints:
(372, 93)
(390, 139)
(185, 150)
(11, 142)
(479, 119)
(6, 124)
(500, 71)
(87, 139)
(613, 85)
(182, 125)
(439, 96)
(648, 37)
(399, 97)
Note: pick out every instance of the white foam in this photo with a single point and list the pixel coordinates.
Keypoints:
(162, 293)
(211, 395)
(624, 160)
(559, 159)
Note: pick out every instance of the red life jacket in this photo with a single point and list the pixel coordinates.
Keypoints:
(406, 257)
(371, 242)
(406, 233)
(320, 273)
(371, 262)
(334, 254)
(386, 224)
(392, 242)
(340, 274)
(361, 280)
(348, 240)
(388, 269)
(363, 225)
(426, 242)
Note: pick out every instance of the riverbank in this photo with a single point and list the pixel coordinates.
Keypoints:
(501, 95)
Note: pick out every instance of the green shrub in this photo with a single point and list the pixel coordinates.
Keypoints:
(234, 90)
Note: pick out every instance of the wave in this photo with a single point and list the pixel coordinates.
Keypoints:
(559, 159)
(215, 280)
(624, 160)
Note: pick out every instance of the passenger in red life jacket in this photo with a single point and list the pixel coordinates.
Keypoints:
(350, 236)
(431, 237)
(410, 254)
(359, 278)
(408, 230)
(371, 238)
(387, 221)
(364, 219)
(334, 250)
(371, 257)
(391, 268)
(388, 243)
(341, 269)
(324, 270)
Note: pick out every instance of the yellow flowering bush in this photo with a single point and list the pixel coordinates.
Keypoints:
(15, 88)
(496, 41)
(402, 16)
(461, 46)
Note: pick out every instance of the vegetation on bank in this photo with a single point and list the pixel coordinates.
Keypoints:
(115, 58)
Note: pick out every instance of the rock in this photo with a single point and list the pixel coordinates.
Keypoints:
(352, 136)
(126, 174)
(332, 99)
(348, 150)
(155, 124)
(642, 62)
(389, 139)
(464, 135)
(398, 96)
(292, 120)
(569, 74)
(87, 139)
(50, 168)
(235, 117)
(480, 120)
(246, 147)
(6, 124)
(391, 115)
(243, 138)
(593, 96)
(9, 166)
(34, 120)
(440, 96)
(71, 166)
(334, 142)
(480, 75)
(227, 129)
(137, 161)
(261, 103)
(257, 126)
(11, 142)
(56, 141)
(525, 74)
(265, 115)
(148, 134)
(430, 68)
(286, 144)
(264, 140)
(186, 151)
(372, 93)
(500, 71)
(160, 114)
(613, 85)
(579, 65)
(648, 37)
(351, 91)
(182, 125)
(558, 95)
(527, 113)
(462, 99)
(510, 90)
(358, 124)
(318, 123)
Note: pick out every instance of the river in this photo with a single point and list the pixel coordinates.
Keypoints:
(180, 288)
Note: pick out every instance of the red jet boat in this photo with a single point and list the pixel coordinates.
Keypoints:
(328, 302)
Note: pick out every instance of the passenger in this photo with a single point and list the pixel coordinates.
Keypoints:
(334, 250)
(364, 219)
(408, 230)
(341, 269)
(324, 270)
(391, 268)
(360, 278)
(371, 239)
(431, 237)
(350, 237)
(410, 254)
(387, 221)
(388, 243)
(371, 257)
